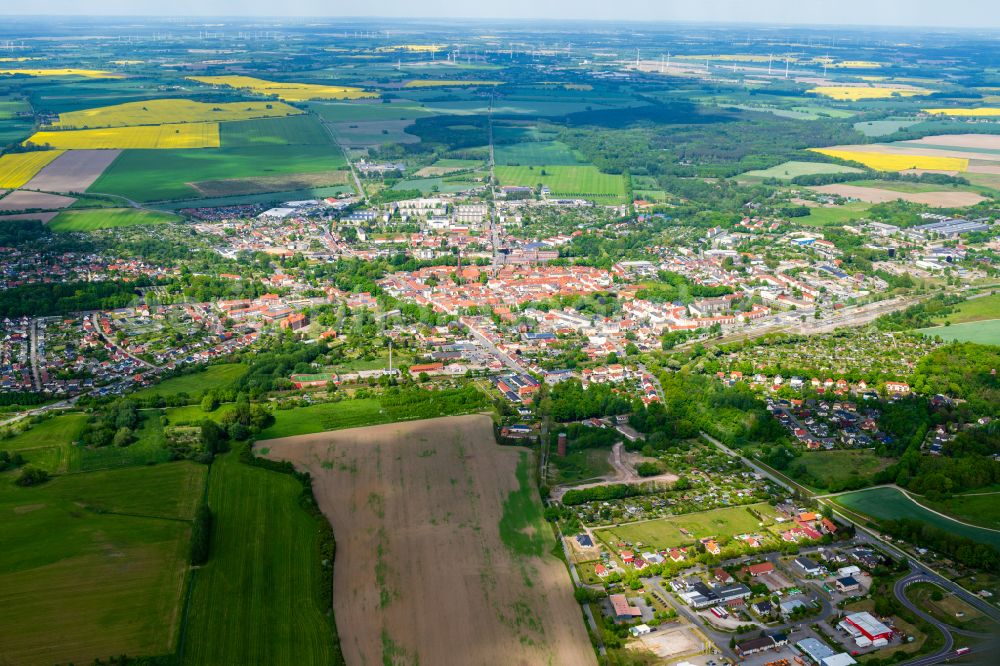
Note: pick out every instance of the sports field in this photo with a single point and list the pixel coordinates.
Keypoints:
(793, 169)
(891, 504)
(107, 218)
(181, 135)
(16, 169)
(151, 175)
(585, 182)
(666, 532)
(256, 601)
(455, 563)
(985, 332)
(895, 162)
(160, 111)
(196, 383)
(97, 560)
(288, 91)
(293, 130)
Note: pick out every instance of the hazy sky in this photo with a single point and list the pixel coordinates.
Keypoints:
(950, 13)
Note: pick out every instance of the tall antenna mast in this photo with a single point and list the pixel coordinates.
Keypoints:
(786, 68)
(770, 59)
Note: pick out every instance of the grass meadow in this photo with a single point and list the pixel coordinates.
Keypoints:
(107, 218)
(666, 532)
(834, 466)
(98, 560)
(256, 600)
(793, 169)
(196, 383)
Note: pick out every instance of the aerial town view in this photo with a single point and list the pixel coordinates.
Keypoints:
(550, 333)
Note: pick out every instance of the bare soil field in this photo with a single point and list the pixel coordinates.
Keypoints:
(987, 141)
(73, 171)
(434, 171)
(667, 642)
(442, 554)
(300, 181)
(44, 218)
(24, 200)
(879, 195)
(984, 168)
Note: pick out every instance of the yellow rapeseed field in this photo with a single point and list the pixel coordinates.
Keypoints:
(429, 83)
(159, 111)
(854, 93)
(889, 162)
(984, 111)
(290, 92)
(88, 73)
(16, 169)
(184, 135)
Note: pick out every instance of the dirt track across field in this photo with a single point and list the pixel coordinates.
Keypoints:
(73, 171)
(624, 463)
(422, 574)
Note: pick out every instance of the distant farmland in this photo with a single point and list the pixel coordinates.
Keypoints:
(181, 135)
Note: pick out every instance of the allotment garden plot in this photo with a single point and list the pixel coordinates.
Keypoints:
(443, 555)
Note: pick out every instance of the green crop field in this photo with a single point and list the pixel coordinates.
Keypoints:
(792, 169)
(986, 332)
(304, 129)
(891, 504)
(840, 466)
(154, 175)
(585, 182)
(256, 600)
(98, 560)
(107, 218)
(973, 508)
(883, 127)
(537, 153)
(976, 309)
(364, 112)
(196, 383)
(666, 532)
